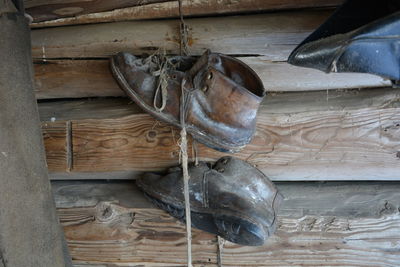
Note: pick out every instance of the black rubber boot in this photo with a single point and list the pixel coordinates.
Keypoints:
(361, 36)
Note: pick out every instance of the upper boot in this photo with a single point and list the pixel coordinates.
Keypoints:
(230, 198)
(221, 95)
(361, 36)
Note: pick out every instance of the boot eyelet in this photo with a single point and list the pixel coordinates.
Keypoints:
(209, 76)
(174, 76)
(205, 88)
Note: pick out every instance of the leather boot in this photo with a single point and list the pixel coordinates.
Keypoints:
(230, 198)
(220, 99)
(361, 36)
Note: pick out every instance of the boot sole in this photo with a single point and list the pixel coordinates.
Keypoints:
(204, 139)
(231, 228)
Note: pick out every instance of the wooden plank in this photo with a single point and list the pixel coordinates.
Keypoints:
(55, 136)
(42, 10)
(342, 199)
(273, 35)
(111, 224)
(92, 78)
(340, 135)
(74, 78)
(189, 8)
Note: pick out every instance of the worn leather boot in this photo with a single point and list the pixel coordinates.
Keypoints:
(221, 95)
(230, 198)
(361, 36)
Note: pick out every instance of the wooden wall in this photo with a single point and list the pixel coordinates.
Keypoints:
(329, 224)
(311, 127)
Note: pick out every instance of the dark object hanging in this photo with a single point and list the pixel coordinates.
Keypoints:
(361, 36)
(230, 198)
(221, 94)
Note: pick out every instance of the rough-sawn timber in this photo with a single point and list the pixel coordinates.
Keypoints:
(93, 78)
(320, 224)
(272, 35)
(164, 10)
(49, 10)
(328, 135)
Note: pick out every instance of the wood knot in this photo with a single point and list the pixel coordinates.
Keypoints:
(114, 214)
(151, 136)
(104, 212)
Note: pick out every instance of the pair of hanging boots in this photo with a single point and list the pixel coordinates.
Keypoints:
(216, 98)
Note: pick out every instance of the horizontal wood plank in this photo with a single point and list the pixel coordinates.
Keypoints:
(93, 78)
(341, 135)
(111, 224)
(42, 10)
(163, 10)
(342, 199)
(272, 35)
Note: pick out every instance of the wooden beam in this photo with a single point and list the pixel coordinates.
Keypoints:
(92, 78)
(272, 35)
(78, 14)
(328, 135)
(341, 224)
(49, 10)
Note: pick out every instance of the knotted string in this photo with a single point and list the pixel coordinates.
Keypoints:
(183, 144)
(186, 177)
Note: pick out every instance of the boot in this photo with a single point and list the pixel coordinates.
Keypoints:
(231, 199)
(221, 95)
(361, 36)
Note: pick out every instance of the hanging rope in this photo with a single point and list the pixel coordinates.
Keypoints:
(186, 177)
(220, 248)
(183, 144)
(183, 47)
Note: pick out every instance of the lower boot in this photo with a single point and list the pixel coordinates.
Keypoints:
(230, 198)
(215, 96)
(361, 36)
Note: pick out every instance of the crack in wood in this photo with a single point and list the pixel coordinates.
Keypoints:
(69, 146)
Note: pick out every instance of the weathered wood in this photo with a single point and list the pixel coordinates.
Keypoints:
(48, 10)
(92, 78)
(74, 78)
(189, 8)
(111, 224)
(55, 135)
(273, 35)
(341, 199)
(339, 135)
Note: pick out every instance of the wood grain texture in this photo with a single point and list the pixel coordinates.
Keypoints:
(272, 35)
(105, 228)
(48, 10)
(55, 142)
(74, 79)
(343, 199)
(93, 78)
(189, 8)
(344, 135)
